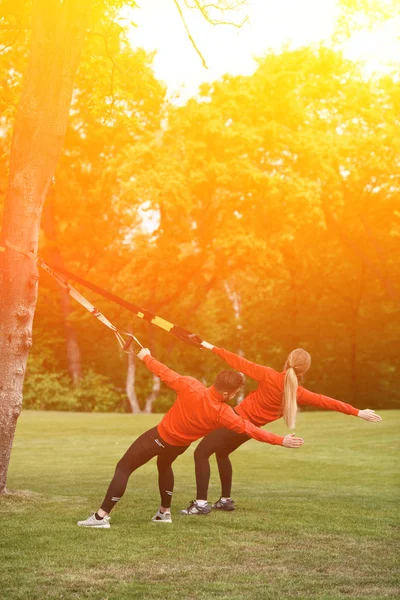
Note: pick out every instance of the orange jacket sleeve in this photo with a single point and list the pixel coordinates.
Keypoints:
(171, 378)
(306, 397)
(230, 420)
(257, 372)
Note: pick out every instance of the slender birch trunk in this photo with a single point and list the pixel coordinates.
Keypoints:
(130, 384)
(155, 390)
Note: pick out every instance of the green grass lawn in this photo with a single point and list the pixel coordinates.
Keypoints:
(314, 523)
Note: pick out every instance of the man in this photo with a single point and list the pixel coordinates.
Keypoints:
(197, 411)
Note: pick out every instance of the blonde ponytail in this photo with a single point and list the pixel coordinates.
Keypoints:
(298, 362)
(290, 397)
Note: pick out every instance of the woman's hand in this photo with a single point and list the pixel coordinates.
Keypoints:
(369, 415)
(207, 345)
(291, 441)
(144, 352)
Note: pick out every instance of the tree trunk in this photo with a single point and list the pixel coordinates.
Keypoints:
(58, 32)
(155, 390)
(130, 384)
(56, 259)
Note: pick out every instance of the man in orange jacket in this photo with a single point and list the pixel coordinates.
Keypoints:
(197, 411)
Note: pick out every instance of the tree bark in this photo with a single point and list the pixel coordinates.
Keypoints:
(155, 390)
(56, 259)
(130, 384)
(58, 32)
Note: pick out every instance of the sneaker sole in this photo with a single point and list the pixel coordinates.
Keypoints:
(95, 526)
(160, 521)
(223, 509)
(195, 514)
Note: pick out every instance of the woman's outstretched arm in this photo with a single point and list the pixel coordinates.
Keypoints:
(369, 415)
(307, 398)
(257, 372)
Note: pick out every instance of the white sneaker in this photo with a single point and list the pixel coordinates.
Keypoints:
(160, 517)
(196, 509)
(95, 523)
(227, 504)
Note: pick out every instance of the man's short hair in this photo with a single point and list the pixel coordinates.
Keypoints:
(228, 381)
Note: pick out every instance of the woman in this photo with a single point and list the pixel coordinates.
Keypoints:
(277, 395)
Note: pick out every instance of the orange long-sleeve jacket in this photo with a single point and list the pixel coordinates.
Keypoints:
(265, 404)
(198, 410)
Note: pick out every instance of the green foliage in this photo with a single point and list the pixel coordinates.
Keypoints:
(46, 390)
(96, 393)
(163, 403)
(281, 186)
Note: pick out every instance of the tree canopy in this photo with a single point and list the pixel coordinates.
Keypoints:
(275, 193)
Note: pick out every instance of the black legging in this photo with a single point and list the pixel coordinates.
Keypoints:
(222, 442)
(148, 445)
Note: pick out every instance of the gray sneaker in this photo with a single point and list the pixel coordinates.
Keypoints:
(224, 504)
(160, 517)
(195, 509)
(95, 523)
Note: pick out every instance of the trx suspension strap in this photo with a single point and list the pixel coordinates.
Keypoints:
(182, 334)
(125, 344)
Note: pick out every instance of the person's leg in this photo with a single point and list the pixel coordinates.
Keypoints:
(165, 459)
(221, 442)
(225, 473)
(208, 445)
(231, 443)
(166, 456)
(211, 443)
(140, 452)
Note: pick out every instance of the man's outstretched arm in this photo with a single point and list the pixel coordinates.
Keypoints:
(235, 422)
(172, 379)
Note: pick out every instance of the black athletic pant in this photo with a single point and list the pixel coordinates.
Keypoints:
(222, 442)
(148, 445)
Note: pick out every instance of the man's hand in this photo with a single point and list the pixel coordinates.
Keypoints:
(144, 352)
(207, 345)
(291, 441)
(369, 415)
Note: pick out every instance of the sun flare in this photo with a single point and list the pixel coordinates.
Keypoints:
(227, 49)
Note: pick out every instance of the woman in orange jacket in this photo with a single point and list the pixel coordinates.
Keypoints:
(277, 395)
